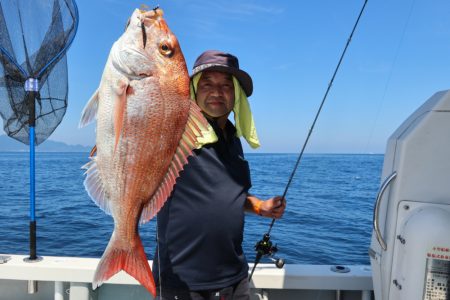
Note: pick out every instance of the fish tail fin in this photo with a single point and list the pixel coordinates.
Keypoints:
(132, 260)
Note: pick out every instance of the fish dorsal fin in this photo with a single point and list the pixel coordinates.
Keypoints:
(90, 111)
(94, 186)
(197, 133)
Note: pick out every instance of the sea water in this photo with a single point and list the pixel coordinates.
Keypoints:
(328, 219)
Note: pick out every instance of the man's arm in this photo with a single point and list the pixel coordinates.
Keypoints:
(270, 208)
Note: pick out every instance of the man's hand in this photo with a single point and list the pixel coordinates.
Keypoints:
(273, 207)
(270, 208)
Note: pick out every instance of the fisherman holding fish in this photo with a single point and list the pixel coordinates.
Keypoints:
(200, 227)
(158, 152)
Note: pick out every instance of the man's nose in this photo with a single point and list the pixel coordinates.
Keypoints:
(217, 90)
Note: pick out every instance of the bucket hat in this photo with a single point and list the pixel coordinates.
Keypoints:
(213, 60)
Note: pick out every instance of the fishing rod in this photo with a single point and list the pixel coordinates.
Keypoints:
(265, 247)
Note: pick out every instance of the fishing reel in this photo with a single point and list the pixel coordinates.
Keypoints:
(265, 248)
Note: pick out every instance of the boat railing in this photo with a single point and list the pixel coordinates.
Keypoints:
(63, 278)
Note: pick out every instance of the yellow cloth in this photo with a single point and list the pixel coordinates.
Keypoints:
(243, 118)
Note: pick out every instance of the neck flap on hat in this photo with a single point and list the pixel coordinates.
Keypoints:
(243, 118)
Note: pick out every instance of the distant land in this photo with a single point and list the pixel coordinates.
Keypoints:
(8, 144)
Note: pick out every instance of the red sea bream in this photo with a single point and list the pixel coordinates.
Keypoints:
(146, 129)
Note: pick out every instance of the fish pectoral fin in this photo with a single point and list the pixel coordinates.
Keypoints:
(90, 111)
(94, 186)
(132, 260)
(120, 109)
(197, 133)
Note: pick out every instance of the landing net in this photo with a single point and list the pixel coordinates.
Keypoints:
(34, 37)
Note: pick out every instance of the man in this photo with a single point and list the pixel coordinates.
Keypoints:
(200, 228)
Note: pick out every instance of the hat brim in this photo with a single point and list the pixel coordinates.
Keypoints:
(244, 79)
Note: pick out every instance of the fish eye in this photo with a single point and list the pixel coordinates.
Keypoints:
(165, 49)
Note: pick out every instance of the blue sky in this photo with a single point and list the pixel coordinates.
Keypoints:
(398, 58)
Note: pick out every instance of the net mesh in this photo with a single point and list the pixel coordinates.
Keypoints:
(34, 37)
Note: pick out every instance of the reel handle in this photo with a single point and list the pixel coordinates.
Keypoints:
(279, 262)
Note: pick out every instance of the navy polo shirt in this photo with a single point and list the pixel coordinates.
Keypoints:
(200, 227)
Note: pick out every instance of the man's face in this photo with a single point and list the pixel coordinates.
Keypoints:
(215, 94)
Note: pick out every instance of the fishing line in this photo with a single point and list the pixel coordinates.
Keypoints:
(394, 62)
(264, 246)
(159, 261)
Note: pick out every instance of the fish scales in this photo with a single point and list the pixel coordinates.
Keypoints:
(146, 128)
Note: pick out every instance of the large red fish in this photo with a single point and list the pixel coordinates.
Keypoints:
(146, 129)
